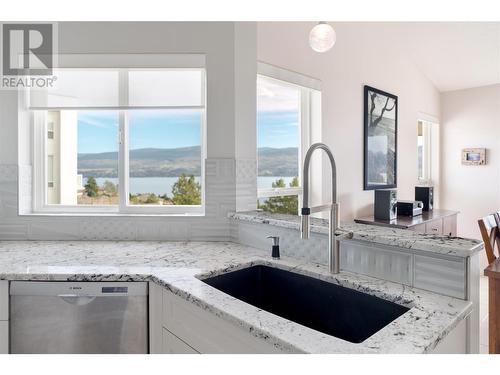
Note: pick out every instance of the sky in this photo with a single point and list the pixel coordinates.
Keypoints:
(98, 130)
(278, 112)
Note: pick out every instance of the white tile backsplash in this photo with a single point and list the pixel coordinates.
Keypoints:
(246, 184)
(313, 250)
(226, 182)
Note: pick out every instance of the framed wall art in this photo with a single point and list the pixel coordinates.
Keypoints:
(380, 139)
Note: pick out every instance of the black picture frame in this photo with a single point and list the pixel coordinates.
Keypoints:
(379, 168)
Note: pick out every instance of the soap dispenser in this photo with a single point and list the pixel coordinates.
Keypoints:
(275, 253)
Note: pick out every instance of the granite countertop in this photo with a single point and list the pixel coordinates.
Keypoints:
(402, 238)
(178, 266)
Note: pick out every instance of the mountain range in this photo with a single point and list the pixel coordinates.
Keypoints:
(172, 162)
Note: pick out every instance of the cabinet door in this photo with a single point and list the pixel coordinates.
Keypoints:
(450, 226)
(4, 337)
(174, 345)
(420, 228)
(444, 276)
(454, 342)
(155, 318)
(4, 300)
(206, 332)
(376, 261)
(434, 227)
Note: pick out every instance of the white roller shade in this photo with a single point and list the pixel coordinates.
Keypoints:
(122, 89)
(79, 88)
(166, 88)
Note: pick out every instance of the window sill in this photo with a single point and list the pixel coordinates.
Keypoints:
(109, 214)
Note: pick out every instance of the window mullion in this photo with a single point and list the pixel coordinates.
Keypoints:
(123, 155)
(305, 141)
(39, 160)
(123, 162)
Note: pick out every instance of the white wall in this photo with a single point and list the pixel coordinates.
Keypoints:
(470, 118)
(365, 53)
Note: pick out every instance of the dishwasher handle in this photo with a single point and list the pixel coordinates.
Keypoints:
(75, 299)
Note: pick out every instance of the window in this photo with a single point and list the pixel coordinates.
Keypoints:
(120, 140)
(283, 133)
(427, 151)
(164, 150)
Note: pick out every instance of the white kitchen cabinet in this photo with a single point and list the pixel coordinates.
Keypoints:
(439, 273)
(444, 274)
(437, 221)
(4, 300)
(454, 342)
(4, 337)
(450, 226)
(177, 326)
(206, 333)
(420, 228)
(155, 318)
(4, 317)
(434, 227)
(174, 345)
(373, 260)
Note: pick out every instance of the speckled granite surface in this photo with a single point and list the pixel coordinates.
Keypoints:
(178, 266)
(403, 238)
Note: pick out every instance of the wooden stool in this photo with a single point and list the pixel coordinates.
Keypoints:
(490, 232)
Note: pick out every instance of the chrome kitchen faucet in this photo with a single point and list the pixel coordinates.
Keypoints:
(332, 208)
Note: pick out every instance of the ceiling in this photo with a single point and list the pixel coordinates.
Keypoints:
(453, 55)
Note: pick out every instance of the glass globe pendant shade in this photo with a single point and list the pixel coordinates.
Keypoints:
(322, 37)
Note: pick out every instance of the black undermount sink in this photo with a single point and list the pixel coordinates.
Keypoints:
(331, 309)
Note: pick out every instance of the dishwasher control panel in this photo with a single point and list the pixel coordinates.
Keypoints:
(78, 288)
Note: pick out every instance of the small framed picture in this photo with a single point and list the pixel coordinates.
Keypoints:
(474, 156)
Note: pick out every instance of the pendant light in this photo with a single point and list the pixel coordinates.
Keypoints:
(322, 37)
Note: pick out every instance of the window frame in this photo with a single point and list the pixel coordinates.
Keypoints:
(307, 86)
(38, 119)
(427, 152)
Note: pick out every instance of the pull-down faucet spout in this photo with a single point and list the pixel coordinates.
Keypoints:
(332, 207)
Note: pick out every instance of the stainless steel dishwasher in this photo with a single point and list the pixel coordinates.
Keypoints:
(78, 317)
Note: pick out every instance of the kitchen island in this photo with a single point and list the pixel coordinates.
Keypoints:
(174, 270)
(441, 264)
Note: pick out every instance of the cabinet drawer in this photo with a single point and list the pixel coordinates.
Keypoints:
(450, 226)
(420, 228)
(4, 337)
(4, 300)
(434, 227)
(371, 260)
(207, 333)
(440, 275)
(174, 345)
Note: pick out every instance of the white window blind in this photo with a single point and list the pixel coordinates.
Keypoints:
(122, 89)
(165, 88)
(79, 89)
